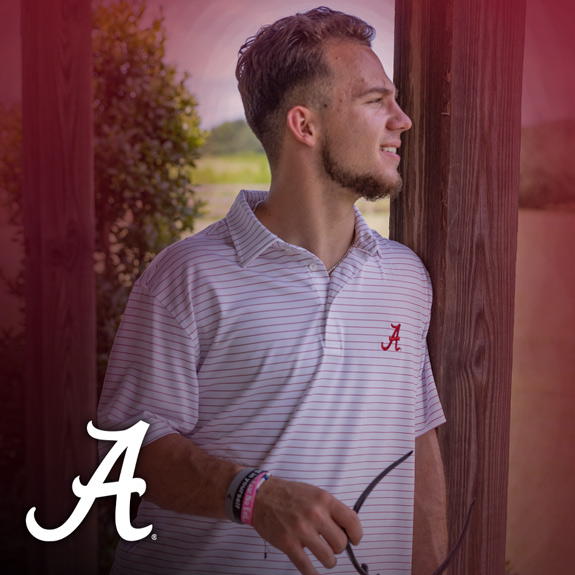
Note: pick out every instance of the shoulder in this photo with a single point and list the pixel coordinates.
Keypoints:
(190, 257)
(400, 258)
(404, 272)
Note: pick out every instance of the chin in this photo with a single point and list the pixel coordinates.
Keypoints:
(372, 189)
(363, 184)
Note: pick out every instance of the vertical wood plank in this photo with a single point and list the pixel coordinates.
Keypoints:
(458, 67)
(60, 301)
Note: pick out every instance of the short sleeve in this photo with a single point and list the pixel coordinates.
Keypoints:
(428, 411)
(151, 373)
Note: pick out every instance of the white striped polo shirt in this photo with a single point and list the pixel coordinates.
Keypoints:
(244, 344)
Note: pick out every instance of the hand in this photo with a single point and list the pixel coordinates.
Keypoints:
(292, 515)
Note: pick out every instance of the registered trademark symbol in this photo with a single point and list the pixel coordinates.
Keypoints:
(154, 536)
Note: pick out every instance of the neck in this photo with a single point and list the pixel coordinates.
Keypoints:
(305, 213)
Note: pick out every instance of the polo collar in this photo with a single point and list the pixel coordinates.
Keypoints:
(365, 239)
(249, 235)
(251, 238)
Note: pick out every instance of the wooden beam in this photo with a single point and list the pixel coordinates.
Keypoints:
(458, 67)
(59, 283)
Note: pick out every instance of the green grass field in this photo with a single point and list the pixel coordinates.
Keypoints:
(232, 169)
(218, 179)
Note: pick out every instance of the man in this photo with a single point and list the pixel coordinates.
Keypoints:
(290, 338)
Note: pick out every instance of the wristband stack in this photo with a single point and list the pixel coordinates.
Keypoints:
(241, 494)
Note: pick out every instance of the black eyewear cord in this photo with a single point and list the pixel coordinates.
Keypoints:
(362, 568)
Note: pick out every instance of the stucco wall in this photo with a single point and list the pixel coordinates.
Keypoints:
(541, 509)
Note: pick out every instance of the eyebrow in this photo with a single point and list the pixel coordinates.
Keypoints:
(378, 90)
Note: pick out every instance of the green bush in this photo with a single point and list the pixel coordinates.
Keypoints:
(146, 136)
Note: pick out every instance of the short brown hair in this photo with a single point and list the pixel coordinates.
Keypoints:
(280, 67)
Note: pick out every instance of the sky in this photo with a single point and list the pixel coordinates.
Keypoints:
(204, 37)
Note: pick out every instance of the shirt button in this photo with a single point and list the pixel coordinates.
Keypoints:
(313, 267)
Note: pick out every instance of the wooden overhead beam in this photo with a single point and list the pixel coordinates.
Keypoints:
(458, 67)
(58, 209)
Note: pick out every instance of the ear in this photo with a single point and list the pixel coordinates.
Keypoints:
(301, 122)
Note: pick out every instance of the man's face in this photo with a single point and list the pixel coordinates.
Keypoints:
(361, 128)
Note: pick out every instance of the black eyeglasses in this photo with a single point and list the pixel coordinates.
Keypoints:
(363, 568)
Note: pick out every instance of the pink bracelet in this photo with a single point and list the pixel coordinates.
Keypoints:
(250, 497)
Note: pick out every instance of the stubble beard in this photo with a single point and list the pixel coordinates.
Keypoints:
(365, 186)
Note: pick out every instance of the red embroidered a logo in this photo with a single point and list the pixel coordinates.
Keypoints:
(394, 338)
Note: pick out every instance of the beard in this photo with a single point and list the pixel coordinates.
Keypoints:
(367, 186)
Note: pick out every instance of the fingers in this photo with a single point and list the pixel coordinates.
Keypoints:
(318, 547)
(348, 519)
(301, 561)
(293, 516)
(324, 551)
(334, 534)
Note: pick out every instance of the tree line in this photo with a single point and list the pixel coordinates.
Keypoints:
(231, 138)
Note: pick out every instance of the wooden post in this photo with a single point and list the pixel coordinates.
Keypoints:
(458, 67)
(59, 283)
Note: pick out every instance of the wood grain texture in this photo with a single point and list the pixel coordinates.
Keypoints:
(458, 67)
(60, 301)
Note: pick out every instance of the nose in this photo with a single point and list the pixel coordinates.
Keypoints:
(399, 119)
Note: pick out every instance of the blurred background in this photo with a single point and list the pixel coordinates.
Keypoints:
(171, 152)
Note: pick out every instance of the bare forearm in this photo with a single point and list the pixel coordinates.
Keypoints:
(290, 515)
(430, 525)
(182, 477)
